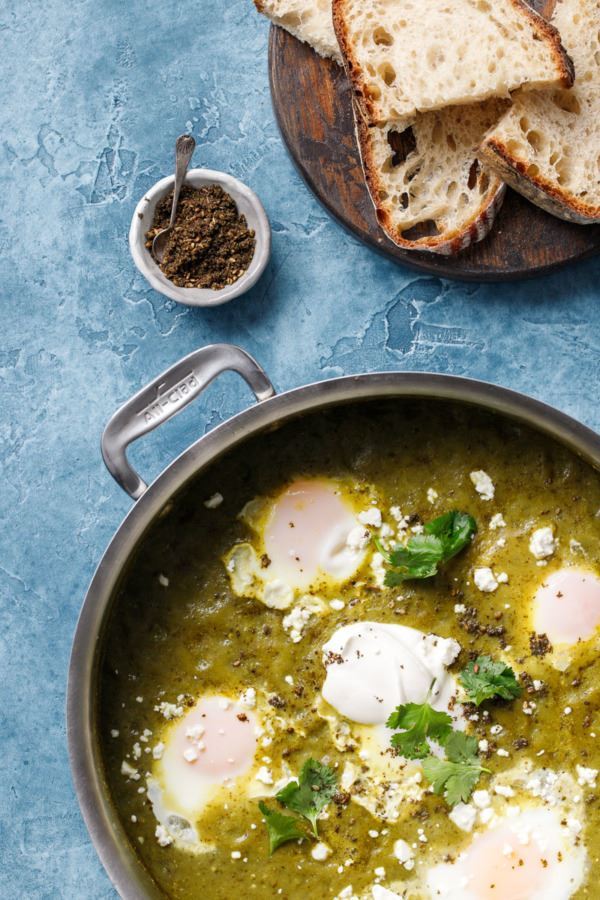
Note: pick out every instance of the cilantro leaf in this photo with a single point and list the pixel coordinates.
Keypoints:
(454, 529)
(280, 828)
(442, 539)
(455, 781)
(419, 559)
(308, 796)
(486, 678)
(456, 776)
(462, 748)
(419, 721)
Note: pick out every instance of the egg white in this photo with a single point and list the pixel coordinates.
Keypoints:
(304, 538)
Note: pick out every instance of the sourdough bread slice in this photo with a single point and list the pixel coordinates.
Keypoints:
(428, 189)
(308, 20)
(547, 146)
(404, 56)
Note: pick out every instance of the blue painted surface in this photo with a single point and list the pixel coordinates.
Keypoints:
(93, 96)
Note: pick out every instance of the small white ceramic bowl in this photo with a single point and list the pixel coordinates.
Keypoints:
(248, 205)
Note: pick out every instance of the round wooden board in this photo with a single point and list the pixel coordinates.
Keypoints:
(312, 102)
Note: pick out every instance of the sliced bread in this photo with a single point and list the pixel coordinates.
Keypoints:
(404, 56)
(428, 189)
(308, 20)
(547, 146)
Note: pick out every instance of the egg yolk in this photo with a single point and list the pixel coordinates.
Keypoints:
(528, 857)
(307, 534)
(567, 606)
(213, 743)
(503, 867)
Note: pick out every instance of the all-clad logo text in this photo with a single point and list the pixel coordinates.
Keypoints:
(175, 396)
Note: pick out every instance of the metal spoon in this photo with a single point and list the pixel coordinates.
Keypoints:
(184, 148)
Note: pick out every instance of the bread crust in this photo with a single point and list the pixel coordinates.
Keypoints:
(370, 108)
(544, 193)
(448, 244)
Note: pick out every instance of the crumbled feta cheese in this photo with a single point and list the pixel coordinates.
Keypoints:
(503, 790)
(379, 872)
(542, 543)
(235, 854)
(214, 501)
(496, 729)
(459, 608)
(114, 732)
(543, 784)
(358, 538)
(502, 578)
(195, 732)
(567, 710)
(439, 651)
(483, 484)
(401, 520)
(486, 815)
(346, 893)
(300, 615)
(162, 836)
(463, 815)
(502, 752)
(497, 521)
(586, 777)
(158, 750)
(190, 754)
(481, 799)
(137, 751)
(129, 771)
(163, 580)
(403, 852)
(277, 594)
(371, 516)
(289, 680)
(485, 580)
(378, 569)
(337, 605)
(264, 775)
(320, 852)
(483, 745)
(373, 833)
(169, 710)
(248, 698)
(432, 495)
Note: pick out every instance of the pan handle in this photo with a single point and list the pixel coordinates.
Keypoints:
(165, 397)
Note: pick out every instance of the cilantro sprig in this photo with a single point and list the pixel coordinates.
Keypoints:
(442, 539)
(418, 721)
(308, 795)
(485, 679)
(280, 828)
(455, 776)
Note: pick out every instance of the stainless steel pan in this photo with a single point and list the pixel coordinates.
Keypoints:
(152, 406)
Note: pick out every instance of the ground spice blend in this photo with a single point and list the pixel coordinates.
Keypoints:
(210, 245)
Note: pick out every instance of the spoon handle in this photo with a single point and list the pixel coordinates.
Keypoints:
(184, 148)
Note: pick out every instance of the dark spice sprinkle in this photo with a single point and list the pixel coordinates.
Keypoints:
(539, 644)
(210, 245)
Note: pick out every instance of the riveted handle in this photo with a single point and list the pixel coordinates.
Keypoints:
(166, 396)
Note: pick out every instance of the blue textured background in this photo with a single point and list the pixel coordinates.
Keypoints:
(93, 95)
